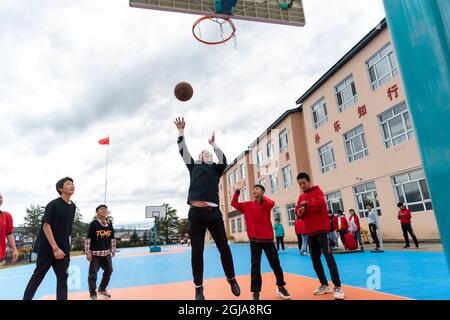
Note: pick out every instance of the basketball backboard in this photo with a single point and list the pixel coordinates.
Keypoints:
(269, 11)
(155, 212)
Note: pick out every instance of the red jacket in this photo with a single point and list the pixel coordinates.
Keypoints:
(299, 225)
(6, 228)
(344, 222)
(257, 217)
(404, 216)
(355, 217)
(335, 224)
(315, 217)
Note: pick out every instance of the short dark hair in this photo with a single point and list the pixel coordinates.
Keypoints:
(400, 204)
(340, 212)
(368, 204)
(60, 184)
(351, 210)
(303, 175)
(260, 186)
(277, 220)
(101, 206)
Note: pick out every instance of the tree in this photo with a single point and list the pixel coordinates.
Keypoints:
(183, 226)
(134, 236)
(33, 221)
(167, 228)
(79, 228)
(144, 237)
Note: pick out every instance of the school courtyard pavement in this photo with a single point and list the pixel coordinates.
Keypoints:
(139, 275)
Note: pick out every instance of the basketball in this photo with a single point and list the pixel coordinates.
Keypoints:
(183, 91)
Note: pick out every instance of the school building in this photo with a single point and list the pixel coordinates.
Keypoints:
(353, 133)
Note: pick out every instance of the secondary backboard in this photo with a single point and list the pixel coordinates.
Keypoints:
(155, 212)
(268, 11)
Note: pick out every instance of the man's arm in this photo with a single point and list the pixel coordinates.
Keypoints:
(235, 202)
(10, 237)
(222, 164)
(59, 254)
(113, 242)
(269, 202)
(182, 147)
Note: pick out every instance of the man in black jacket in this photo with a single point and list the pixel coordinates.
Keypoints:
(204, 212)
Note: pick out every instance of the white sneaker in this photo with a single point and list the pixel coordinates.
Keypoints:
(323, 289)
(339, 293)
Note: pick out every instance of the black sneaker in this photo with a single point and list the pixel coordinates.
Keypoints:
(256, 296)
(93, 296)
(405, 247)
(199, 293)
(283, 293)
(235, 289)
(104, 293)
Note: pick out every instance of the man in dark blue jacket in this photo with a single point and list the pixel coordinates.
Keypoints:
(204, 212)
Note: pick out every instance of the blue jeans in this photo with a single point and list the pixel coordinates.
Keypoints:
(305, 247)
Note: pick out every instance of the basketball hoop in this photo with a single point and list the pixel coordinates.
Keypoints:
(221, 22)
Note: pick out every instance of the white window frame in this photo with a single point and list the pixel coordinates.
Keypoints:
(263, 183)
(316, 106)
(276, 213)
(332, 198)
(290, 209)
(231, 178)
(329, 148)
(233, 226)
(270, 150)
(242, 171)
(363, 213)
(411, 179)
(347, 82)
(387, 52)
(283, 140)
(287, 183)
(259, 158)
(409, 134)
(348, 140)
(239, 224)
(273, 187)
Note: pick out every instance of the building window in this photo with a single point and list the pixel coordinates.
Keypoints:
(236, 175)
(366, 193)
(287, 176)
(346, 93)
(412, 190)
(382, 66)
(355, 144)
(242, 167)
(244, 195)
(290, 209)
(263, 183)
(239, 225)
(276, 213)
(259, 158)
(269, 149)
(233, 226)
(231, 180)
(319, 110)
(326, 156)
(273, 182)
(283, 139)
(396, 125)
(334, 201)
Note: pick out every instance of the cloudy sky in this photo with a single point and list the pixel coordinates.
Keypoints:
(74, 71)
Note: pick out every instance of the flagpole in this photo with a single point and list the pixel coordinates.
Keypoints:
(106, 174)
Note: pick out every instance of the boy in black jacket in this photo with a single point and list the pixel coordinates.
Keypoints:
(100, 247)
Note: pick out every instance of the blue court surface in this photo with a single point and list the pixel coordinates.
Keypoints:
(414, 275)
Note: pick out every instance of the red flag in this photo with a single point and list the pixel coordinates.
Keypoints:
(104, 141)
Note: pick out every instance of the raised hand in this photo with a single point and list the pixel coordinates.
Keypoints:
(179, 122)
(212, 140)
(239, 185)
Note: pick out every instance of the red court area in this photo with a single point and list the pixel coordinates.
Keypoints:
(300, 288)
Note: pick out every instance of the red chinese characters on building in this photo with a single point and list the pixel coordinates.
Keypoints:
(317, 138)
(362, 111)
(392, 92)
(337, 126)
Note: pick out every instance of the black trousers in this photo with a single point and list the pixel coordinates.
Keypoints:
(342, 234)
(201, 220)
(256, 249)
(319, 245)
(44, 261)
(96, 263)
(373, 233)
(300, 242)
(407, 228)
(280, 240)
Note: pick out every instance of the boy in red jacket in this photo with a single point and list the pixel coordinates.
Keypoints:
(312, 209)
(404, 215)
(260, 232)
(342, 226)
(355, 227)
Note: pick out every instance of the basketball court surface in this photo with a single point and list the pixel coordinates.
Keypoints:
(166, 275)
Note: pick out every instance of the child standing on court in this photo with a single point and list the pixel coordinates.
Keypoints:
(279, 234)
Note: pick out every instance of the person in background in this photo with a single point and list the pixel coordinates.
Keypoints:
(332, 235)
(372, 219)
(302, 236)
(355, 227)
(7, 234)
(404, 215)
(342, 226)
(279, 234)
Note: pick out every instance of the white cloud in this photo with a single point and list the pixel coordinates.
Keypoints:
(72, 72)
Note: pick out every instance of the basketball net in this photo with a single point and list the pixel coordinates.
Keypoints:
(220, 22)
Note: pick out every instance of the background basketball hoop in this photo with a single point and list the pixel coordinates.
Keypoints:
(227, 29)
